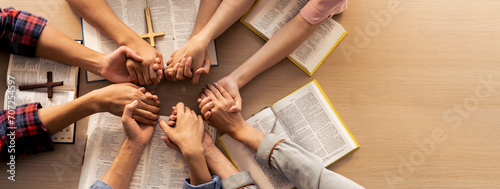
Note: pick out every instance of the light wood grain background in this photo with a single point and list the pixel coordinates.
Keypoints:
(416, 82)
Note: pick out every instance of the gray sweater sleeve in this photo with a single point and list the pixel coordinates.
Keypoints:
(300, 167)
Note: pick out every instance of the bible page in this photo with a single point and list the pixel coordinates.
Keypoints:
(104, 140)
(265, 121)
(165, 167)
(131, 13)
(60, 97)
(33, 70)
(312, 52)
(176, 18)
(311, 123)
(269, 16)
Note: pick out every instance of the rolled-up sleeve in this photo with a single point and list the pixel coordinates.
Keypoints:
(20, 31)
(317, 10)
(300, 167)
(31, 136)
(241, 180)
(99, 184)
(215, 183)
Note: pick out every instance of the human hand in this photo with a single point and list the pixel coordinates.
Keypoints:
(113, 99)
(216, 110)
(232, 88)
(197, 49)
(113, 67)
(207, 139)
(137, 133)
(187, 134)
(143, 72)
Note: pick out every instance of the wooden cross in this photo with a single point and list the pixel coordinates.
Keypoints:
(151, 35)
(50, 85)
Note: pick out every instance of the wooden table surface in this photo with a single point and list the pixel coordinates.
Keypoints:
(416, 82)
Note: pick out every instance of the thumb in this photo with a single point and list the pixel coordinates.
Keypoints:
(129, 108)
(129, 53)
(200, 71)
(237, 104)
(166, 128)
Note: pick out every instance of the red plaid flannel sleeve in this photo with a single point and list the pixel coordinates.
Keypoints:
(31, 136)
(20, 31)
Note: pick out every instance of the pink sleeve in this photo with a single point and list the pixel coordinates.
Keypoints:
(317, 10)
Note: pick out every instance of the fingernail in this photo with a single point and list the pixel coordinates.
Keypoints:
(215, 83)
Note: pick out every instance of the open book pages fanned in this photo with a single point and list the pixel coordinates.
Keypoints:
(33, 70)
(268, 16)
(159, 166)
(174, 17)
(305, 117)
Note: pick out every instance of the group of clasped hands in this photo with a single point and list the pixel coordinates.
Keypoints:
(136, 63)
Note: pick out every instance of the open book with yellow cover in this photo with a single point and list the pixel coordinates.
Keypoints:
(266, 17)
(305, 117)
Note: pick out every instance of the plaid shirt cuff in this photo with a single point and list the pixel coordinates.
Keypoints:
(20, 31)
(31, 136)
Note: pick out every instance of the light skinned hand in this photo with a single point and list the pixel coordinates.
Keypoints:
(113, 67)
(180, 70)
(195, 48)
(114, 98)
(233, 90)
(137, 133)
(207, 139)
(220, 117)
(188, 130)
(142, 72)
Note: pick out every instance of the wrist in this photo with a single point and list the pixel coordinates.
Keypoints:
(249, 136)
(133, 42)
(238, 130)
(95, 100)
(236, 76)
(192, 150)
(133, 147)
(98, 64)
(201, 40)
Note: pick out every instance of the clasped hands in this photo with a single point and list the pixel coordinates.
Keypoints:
(142, 64)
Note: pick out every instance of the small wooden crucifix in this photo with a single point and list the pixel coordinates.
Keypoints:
(50, 85)
(151, 35)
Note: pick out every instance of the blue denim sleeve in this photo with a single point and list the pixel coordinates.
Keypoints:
(214, 184)
(99, 184)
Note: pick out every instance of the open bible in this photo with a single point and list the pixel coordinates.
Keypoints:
(33, 70)
(159, 166)
(174, 17)
(266, 17)
(305, 117)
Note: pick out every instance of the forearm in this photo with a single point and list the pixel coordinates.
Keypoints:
(98, 14)
(121, 171)
(248, 135)
(281, 44)
(218, 164)
(226, 14)
(56, 118)
(198, 170)
(205, 12)
(57, 46)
